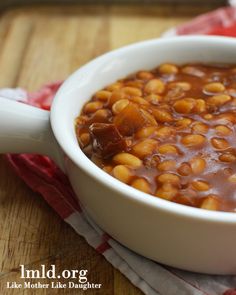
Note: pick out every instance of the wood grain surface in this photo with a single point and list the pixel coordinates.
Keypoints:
(46, 43)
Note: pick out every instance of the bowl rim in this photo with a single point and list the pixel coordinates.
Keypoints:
(126, 191)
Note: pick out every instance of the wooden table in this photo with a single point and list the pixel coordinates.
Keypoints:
(41, 44)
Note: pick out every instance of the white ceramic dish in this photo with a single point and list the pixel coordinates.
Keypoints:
(173, 234)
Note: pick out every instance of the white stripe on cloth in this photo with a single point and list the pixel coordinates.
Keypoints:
(170, 33)
(232, 2)
(14, 94)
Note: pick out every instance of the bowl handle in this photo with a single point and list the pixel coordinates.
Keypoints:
(27, 129)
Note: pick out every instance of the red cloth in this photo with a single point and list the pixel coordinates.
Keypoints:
(222, 19)
(224, 31)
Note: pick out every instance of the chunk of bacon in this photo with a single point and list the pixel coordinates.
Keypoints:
(130, 119)
(106, 139)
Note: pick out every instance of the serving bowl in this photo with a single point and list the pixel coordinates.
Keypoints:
(173, 234)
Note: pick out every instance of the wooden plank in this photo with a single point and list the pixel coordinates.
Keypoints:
(47, 43)
(16, 31)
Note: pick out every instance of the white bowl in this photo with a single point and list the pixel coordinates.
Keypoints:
(184, 237)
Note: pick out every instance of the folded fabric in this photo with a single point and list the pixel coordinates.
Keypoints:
(44, 177)
(219, 22)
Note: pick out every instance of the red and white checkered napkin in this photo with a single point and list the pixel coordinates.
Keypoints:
(42, 176)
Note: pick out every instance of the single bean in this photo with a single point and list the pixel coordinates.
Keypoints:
(183, 123)
(168, 178)
(162, 116)
(146, 132)
(223, 130)
(200, 185)
(185, 169)
(214, 87)
(184, 106)
(167, 149)
(200, 128)
(166, 165)
(132, 91)
(165, 131)
(167, 192)
(114, 86)
(103, 95)
(211, 202)
(192, 140)
(144, 147)
(155, 86)
(142, 185)
(84, 139)
(102, 114)
(219, 143)
(198, 165)
(127, 159)
(92, 107)
(144, 75)
(227, 157)
(119, 106)
(168, 69)
(139, 100)
(182, 85)
(218, 100)
(122, 173)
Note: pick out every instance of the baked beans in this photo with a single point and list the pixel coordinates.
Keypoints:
(169, 132)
